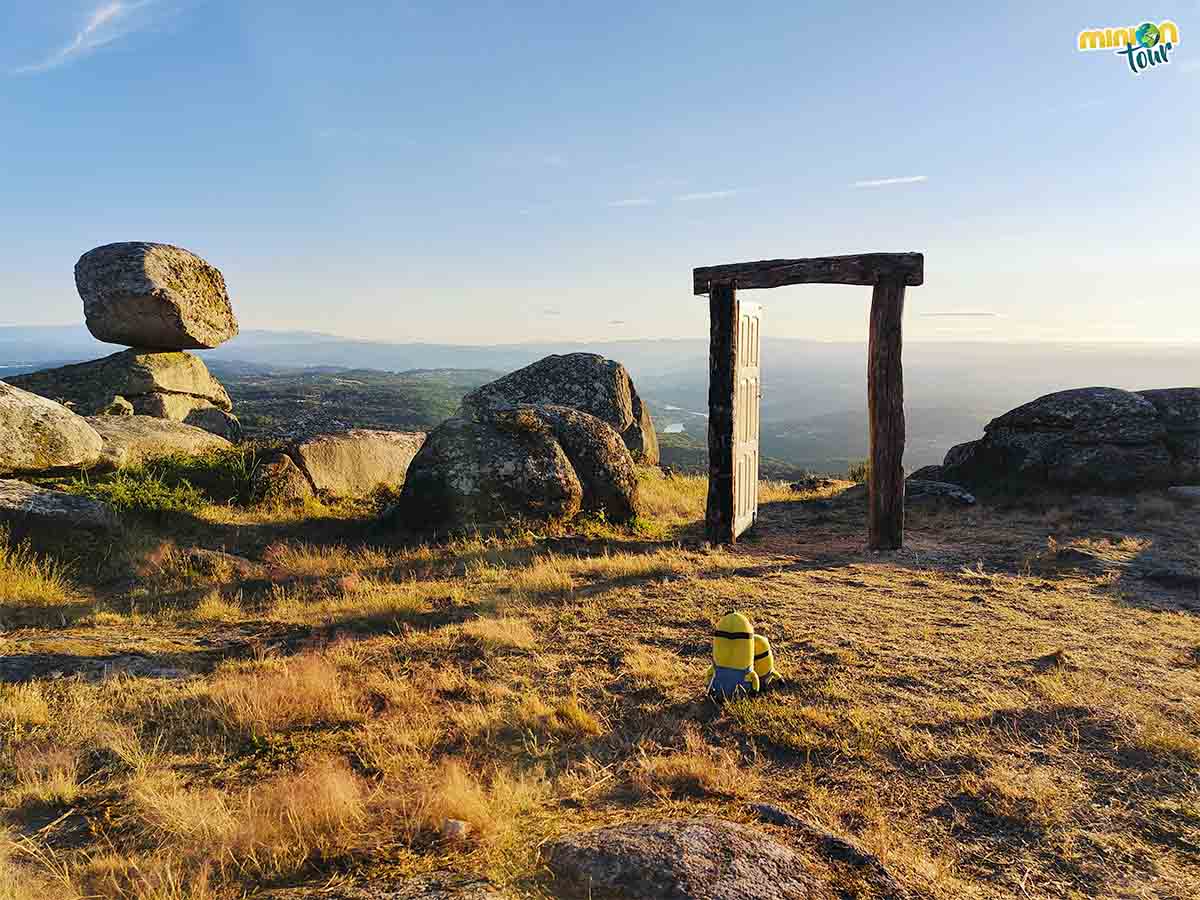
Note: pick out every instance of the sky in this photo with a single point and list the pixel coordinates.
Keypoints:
(499, 172)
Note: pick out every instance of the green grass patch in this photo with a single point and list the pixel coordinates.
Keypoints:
(179, 483)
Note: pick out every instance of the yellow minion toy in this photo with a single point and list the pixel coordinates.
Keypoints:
(764, 662)
(732, 671)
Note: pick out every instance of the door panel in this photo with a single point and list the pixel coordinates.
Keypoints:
(746, 417)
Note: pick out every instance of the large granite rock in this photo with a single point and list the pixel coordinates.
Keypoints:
(533, 463)
(583, 381)
(278, 479)
(129, 440)
(354, 462)
(154, 295)
(1087, 437)
(26, 504)
(1179, 410)
(37, 434)
(176, 386)
(687, 859)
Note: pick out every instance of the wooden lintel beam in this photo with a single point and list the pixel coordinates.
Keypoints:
(860, 268)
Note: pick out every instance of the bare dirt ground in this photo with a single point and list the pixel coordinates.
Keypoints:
(1008, 707)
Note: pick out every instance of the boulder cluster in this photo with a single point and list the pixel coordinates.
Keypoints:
(541, 444)
(1099, 437)
(159, 301)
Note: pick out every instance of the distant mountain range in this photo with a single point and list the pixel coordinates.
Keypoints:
(814, 393)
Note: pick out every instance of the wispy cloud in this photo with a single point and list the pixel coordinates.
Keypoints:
(617, 322)
(707, 195)
(107, 23)
(885, 182)
(960, 315)
(631, 201)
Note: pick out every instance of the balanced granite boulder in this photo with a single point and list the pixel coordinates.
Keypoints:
(173, 385)
(583, 381)
(130, 440)
(1087, 437)
(37, 434)
(155, 296)
(685, 859)
(525, 463)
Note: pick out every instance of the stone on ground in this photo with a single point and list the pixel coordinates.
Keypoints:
(583, 381)
(154, 295)
(175, 386)
(279, 480)
(917, 489)
(26, 504)
(37, 434)
(129, 440)
(527, 463)
(355, 462)
(687, 859)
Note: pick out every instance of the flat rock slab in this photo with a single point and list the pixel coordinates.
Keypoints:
(129, 440)
(1186, 493)
(436, 886)
(136, 375)
(142, 294)
(37, 434)
(685, 859)
(22, 503)
(355, 462)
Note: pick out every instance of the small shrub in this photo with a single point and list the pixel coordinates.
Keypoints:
(859, 471)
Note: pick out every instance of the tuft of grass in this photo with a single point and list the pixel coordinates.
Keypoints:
(33, 589)
(859, 471)
(280, 695)
(504, 633)
(697, 770)
(300, 559)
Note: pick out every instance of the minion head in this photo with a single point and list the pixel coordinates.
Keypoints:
(764, 659)
(733, 642)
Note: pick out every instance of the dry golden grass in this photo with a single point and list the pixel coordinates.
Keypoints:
(989, 728)
(281, 694)
(34, 590)
(504, 633)
(301, 559)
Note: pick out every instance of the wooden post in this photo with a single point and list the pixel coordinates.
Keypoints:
(885, 399)
(722, 362)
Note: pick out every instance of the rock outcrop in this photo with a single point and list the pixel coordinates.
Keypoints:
(1087, 437)
(22, 504)
(129, 440)
(534, 463)
(159, 300)
(37, 434)
(154, 295)
(583, 381)
(176, 386)
(688, 859)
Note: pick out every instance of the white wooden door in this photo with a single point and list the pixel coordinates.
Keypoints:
(748, 393)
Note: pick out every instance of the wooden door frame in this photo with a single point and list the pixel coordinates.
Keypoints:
(887, 274)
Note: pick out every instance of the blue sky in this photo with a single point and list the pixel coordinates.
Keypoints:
(512, 171)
